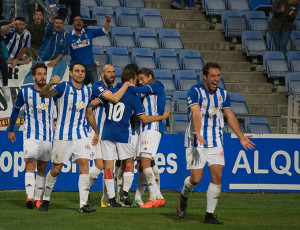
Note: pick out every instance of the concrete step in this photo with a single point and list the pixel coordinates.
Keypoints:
(206, 46)
(253, 88)
(161, 4)
(187, 25)
(243, 77)
(182, 15)
(266, 99)
(202, 36)
(222, 56)
(234, 67)
(269, 109)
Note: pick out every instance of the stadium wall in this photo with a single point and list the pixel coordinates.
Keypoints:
(272, 167)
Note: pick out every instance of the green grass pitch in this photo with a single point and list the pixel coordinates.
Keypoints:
(236, 210)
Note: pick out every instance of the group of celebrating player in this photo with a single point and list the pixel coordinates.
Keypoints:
(112, 125)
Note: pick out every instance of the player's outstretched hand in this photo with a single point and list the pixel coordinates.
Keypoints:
(55, 80)
(199, 138)
(108, 17)
(166, 114)
(246, 143)
(95, 139)
(12, 137)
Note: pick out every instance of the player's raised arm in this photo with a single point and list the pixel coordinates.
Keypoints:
(149, 119)
(235, 126)
(115, 97)
(47, 91)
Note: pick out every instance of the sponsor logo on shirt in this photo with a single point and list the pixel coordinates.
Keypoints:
(80, 44)
(212, 111)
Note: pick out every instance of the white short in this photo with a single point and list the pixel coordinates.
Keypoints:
(37, 149)
(64, 149)
(148, 143)
(116, 151)
(135, 144)
(96, 150)
(197, 157)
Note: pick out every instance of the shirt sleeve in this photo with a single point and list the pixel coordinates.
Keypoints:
(20, 100)
(28, 41)
(60, 89)
(193, 97)
(142, 89)
(98, 90)
(96, 33)
(49, 30)
(227, 102)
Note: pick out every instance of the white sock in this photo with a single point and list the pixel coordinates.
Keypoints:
(212, 197)
(151, 183)
(120, 182)
(141, 186)
(187, 187)
(94, 173)
(29, 185)
(104, 195)
(110, 188)
(50, 182)
(128, 178)
(39, 187)
(156, 175)
(84, 188)
(116, 176)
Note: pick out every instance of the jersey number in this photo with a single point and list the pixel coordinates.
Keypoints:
(116, 111)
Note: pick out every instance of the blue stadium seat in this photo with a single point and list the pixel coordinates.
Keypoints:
(269, 41)
(101, 20)
(257, 21)
(166, 59)
(123, 37)
(297, 22)
(293, 61)
(191, 60)
(110, 3)
(146, 38)
(295, 39)
(134, 3)
(68, 28)
(143, 57)
(226, 14)
(88, 3)
(151, 18)
(118, 72)
(179, 99)
(292, 84)
(235, 26)
(260, 5)
(274, 64)
(181, 123)
(102, 41)
(100, 57)
(170, 39)
(241, 5)
(118, 57)
(214, 7)
(185, 79)
(127, 17)
(99, 13)
(238, 103)
(257, 125)
(163, 73)
(85, 12)
(169, 84)
(253, 43)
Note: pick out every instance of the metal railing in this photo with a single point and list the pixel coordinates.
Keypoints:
(293, 116)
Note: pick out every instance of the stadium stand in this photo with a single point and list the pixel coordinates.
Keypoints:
(257, 21)
(257, 125)
(127, 17)
(293, 61)
(146, 38)
(238, 103)
(118, 56)
(166, 59)
(123, 37)
(170, 39)
(143, 57)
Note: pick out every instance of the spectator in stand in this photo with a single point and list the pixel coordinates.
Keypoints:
(281, 24)
(37, 29)
(1, 9)
(80, 45)
(73, 4)
(54, 45)
(188, 5)
(17, 40)
(4, 70)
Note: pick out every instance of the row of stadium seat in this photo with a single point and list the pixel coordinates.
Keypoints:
(123, 16)
(142, 38)
(292, 84)
(114, 3)
(119, 57)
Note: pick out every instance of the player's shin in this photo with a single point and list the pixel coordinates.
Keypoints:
(39, 187)
(141, 186)
(50, 182)
(93, 175)
(109, 182)
(29, 184)
(187, 187)
(84, 188)
(150, 182)
(212, 196)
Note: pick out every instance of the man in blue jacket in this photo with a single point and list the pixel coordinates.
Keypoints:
(54, 45)
(80, 43)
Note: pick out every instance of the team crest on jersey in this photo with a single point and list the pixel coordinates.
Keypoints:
(220, 98)
(212, 111)
(23, 41)
(80, 105)
(42, 106)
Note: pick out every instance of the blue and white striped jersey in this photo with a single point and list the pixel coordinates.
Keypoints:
(71, 110)
(15, 42)
(98, 88)
(117, 126)
(212, 120)
(154, 101)
(38, 122)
